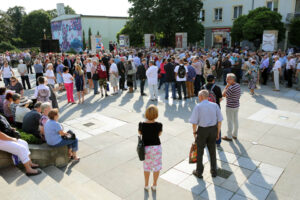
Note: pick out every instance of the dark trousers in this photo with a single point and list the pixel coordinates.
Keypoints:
(162, 80)
(122, 82)
(25, 79)
(29, 69)
(37, 75)
(206, 137)
(181, 84)
(264, 76)
(225, 72)
(237, 73)
(142, 85)
(290, 78)
(197, 84)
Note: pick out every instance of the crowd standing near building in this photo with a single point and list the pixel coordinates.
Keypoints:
(188, 73)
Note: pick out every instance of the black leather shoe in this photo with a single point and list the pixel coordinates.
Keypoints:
(195, 173)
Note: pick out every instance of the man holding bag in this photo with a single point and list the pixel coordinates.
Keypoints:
(206, 120)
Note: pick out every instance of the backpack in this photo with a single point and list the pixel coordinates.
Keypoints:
(43, 95)
(181, 71)
(211, 95)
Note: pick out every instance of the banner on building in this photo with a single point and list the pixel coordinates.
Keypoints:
(149, 40)
(97, 43)
(270, 41)
(181, 40)
(124, 41)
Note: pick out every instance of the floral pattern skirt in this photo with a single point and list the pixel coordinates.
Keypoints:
(153, 158)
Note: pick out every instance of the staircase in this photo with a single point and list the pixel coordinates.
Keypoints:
(52, 184)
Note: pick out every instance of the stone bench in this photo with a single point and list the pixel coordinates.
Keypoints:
(43, 155)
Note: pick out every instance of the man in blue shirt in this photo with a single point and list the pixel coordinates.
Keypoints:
(206, 120)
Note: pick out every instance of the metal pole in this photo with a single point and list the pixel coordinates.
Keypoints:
(252, 4)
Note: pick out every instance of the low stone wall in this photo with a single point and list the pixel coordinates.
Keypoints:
(43, 155)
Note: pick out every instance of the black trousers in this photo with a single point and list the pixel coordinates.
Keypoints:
(225, 72)
(25, 79)
(122, 82)
(290, 78)
(37, 75)
(29, 69)
(265, 76)
(142, 85)
(181, 84)
(237, 73)
(197, 84)
(206, 136)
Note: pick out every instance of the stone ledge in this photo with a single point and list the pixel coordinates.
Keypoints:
(43, 155)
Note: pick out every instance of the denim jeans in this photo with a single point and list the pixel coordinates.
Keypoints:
(95, 86)
(6, 81)
(162, 80)
(72, 144)
(173, 89)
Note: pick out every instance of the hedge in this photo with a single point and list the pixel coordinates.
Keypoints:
(29, 138)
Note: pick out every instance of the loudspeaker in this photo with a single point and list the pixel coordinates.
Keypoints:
(50, 46)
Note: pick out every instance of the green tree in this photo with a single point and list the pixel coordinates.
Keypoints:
(33, 25)
(89, 39)
(254, 24)
(294, 38)
(6, 27)
(69, 10)
(83, 40)
(52, 13)
(16, 14)
(237, 28)
(167, 17)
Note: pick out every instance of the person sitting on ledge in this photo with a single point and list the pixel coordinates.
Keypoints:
(54, 133)
(19, 148)
(31, 121)
(21, 111)
(45, 109)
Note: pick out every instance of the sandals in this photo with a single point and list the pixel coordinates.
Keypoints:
(153, 188)
(34, 174)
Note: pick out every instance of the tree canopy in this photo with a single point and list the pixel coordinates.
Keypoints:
(33, 25)
(16, 14)
(6, 27)
(251, 27)
(166, 17)
(294, 32)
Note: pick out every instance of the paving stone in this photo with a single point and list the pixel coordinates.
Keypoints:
(262, 180)
(226, 157)
(238, 197)
(216, 181)
(238, 177)
(188, 168)
(281, 143)
(232, 186)
(216, 192)
(247, 163)
(174, 176)
(194, 185)
(253, 192)
(270, 170)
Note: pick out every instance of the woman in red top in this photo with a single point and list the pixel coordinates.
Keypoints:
(162, 73)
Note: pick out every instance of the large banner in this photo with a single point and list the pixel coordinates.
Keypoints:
(97, 43)
(69, 34)
(124, 41)
(181, 40)
(269, 41)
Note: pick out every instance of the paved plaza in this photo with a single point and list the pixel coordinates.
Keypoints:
(264, 163)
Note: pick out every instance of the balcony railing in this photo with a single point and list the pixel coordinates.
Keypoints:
(291, 16)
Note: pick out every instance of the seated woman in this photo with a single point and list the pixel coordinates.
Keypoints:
(16, 86)
(20, 148)
(6, 108)
(21, 111)
(54, 132)
(45, 108)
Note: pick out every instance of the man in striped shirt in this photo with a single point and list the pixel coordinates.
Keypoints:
(232, 92)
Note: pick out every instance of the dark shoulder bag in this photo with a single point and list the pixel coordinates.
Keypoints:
(141, 149)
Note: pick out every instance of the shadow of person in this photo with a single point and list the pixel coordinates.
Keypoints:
(262, 100)
(137, 106)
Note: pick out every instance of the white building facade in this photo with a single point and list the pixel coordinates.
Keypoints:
(217, 16)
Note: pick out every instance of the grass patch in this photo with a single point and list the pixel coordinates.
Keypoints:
(29, 138)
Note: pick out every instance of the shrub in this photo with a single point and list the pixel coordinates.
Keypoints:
(71, 51)
(29, 138)
(6, 46)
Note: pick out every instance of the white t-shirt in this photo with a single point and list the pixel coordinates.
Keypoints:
(88, 67)
(152, 75)
(277, 65)
(67, 78)
(113, 68)
(6, 72)
(177, 77)
(20, 113)
(50, 73)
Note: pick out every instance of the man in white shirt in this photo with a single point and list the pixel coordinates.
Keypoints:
(22, 69)
(152, 76)
(181, 74)
(276, 72)
(114, 76)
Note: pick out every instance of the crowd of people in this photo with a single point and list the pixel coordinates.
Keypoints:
(105, 73)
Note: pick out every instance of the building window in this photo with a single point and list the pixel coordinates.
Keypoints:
(218, 14)
(202, 15)
(237, 11)
(272, 5)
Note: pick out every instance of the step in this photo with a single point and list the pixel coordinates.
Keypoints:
(19, 186)
(82, 186)
(51, 187)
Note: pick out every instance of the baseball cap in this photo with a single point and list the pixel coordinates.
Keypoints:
(210, 78)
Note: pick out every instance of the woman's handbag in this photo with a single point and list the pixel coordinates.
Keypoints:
(141, 149)
(193, 153)
(70, 136)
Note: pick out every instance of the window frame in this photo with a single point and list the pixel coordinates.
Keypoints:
(220, 17)
(239, 11)
(202, 15)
